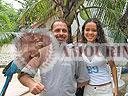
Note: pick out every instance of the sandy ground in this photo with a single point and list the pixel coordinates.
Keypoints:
(14, 88)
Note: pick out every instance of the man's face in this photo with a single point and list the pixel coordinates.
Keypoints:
(60, 31)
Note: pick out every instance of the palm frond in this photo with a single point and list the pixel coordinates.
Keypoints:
(5, 23)
(107, 11)
(117, 36)
(40, 11)
(6, 37)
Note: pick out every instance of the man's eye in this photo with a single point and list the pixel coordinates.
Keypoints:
(64, 30)
(57, 30)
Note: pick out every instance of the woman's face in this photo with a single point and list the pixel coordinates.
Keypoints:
(90, 32)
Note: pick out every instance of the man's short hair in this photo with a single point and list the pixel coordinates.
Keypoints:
(60, 20)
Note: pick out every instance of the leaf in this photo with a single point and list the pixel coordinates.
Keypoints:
(85, 14)
(108, 12)
(5, 21)
(42, 10)
(65, 2)
(6, 37)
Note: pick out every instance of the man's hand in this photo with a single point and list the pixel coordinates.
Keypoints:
(28, 81)
(36, 88)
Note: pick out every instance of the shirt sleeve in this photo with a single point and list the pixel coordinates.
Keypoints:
(32, 67)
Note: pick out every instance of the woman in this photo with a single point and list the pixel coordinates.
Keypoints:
(100, 79)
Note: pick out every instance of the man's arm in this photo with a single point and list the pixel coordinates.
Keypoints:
(27, 74)
(83, 77)
(34, 87)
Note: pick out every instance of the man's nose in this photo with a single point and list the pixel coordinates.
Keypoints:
(61, 32)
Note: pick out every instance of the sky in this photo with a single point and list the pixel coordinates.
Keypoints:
(14, 3)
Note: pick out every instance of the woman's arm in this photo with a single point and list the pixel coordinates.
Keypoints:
(114, 75)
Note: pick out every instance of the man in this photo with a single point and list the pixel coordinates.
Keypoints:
(59, 80)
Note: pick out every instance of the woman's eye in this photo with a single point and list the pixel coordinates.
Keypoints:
(87, 29)
(94, 30)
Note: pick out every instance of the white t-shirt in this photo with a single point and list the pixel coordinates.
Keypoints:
(98, 70)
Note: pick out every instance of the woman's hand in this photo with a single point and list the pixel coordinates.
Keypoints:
(115, 91)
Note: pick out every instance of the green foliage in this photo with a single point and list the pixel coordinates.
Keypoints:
(6, 38)
(8, 23)
(8, 17)
(5, 24)
(38, 12)
(109, 13)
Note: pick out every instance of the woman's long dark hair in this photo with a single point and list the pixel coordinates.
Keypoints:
(100, 32)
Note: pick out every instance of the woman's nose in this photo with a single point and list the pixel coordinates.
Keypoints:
(90, 32)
